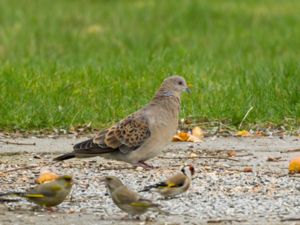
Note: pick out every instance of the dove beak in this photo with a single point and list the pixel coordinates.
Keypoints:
(188, 90)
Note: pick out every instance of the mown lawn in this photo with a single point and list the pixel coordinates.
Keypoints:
(67, 62)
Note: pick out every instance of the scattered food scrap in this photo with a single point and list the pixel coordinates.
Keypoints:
(46, 176)
(243, 133)
(294, 166)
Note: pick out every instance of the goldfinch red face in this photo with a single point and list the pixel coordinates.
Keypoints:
(189, 171)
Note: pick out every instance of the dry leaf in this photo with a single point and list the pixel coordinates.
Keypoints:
(197, 132)
(192, 138)
(181, 136)
(46, 176)
(243, 133)
(294, 166)
(248, 170)
(259, 133)
(231, 153)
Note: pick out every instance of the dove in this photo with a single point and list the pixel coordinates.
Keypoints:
(47, 194)
(126, 199)
(143, 134)
(175, 185)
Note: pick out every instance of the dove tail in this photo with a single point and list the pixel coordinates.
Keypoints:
(65, 157)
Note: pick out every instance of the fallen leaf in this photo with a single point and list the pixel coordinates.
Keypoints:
(181, 136)
(231, 153)
(46, 176)
(185, 137)
(243, 133)
(248, 170)
(197, 132)
(259, 133)
(273, 159)
(294, 166)
(192, 138)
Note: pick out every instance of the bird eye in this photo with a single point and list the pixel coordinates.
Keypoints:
(68, 178)
(180, 83)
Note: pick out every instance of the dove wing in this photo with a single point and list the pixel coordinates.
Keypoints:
(127, 135)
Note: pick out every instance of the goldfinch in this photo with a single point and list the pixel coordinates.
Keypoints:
(175, 185)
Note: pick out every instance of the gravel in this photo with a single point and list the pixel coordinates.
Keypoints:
(221, 191)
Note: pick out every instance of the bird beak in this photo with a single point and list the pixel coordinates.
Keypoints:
(188, 90)
(102, 179)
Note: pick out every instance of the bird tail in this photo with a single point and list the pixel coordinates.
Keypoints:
(147, 188)
(9, 200)
(12, 193)
(157, 208)
(65, 157)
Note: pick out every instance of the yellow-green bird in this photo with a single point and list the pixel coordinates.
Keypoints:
(47, 194)
(128, 200)
(175, 185)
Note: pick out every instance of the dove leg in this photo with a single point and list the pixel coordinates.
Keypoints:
(145, 165)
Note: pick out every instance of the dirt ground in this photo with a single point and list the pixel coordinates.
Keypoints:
(221, 193)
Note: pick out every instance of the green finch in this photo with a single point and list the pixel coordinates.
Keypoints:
(128, 200)
(47, 194)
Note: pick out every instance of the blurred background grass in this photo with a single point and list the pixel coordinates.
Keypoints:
(65, 63)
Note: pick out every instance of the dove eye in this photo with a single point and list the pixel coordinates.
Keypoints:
(180, 83)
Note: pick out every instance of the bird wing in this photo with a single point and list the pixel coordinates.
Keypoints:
(143, 203)
(43, 190)
(177, 180)
(127, 135)
(125, 196)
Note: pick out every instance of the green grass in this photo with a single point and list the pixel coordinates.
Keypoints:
(66, 63)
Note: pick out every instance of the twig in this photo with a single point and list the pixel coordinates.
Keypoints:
(247, 113)
(26, 168)
(17, 143)
(290, 219)
(117, 168)
(199, 157)
(225, 220)
(245, 155)
(291, 150)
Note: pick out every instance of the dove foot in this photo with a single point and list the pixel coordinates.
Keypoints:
(145, 165)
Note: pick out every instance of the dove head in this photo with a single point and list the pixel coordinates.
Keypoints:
(112, 182)
(173, 85)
